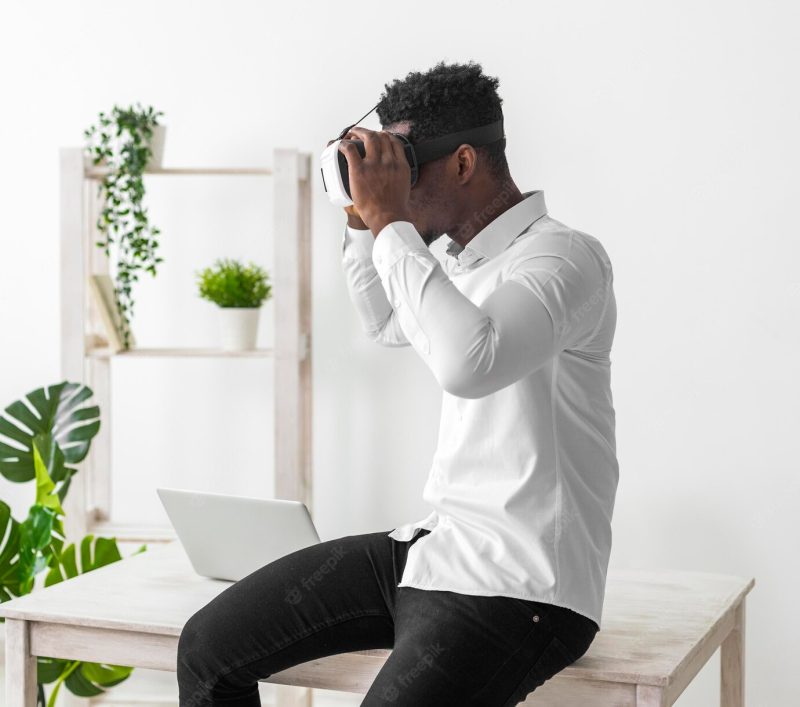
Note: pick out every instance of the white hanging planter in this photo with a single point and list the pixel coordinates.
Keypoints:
(157, 146)
(238, 327)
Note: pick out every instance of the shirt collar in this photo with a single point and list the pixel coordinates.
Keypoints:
(498, 234)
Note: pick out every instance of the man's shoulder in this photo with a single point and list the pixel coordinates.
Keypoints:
(548, 236)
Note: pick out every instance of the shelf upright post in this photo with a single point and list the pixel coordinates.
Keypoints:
(292, 296)
(74, 300)
(98, 371)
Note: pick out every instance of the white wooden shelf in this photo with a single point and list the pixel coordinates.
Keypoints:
(99, 172)
(85, 359)
(178, 352)
(133, 533)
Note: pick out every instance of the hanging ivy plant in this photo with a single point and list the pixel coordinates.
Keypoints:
(121, 141)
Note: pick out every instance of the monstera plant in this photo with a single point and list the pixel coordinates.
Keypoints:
(48, 433)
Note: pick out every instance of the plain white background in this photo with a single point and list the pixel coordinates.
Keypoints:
(667, 130)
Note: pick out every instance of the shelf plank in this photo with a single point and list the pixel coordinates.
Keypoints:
(99, 172)
(133, 533)
(177, 352)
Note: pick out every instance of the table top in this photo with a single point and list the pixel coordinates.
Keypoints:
(652, 619)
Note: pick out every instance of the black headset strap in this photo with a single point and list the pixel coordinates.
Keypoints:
(439, 147)
(347, 129)
(430, 150)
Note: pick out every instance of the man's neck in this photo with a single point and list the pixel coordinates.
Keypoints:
(485, 210)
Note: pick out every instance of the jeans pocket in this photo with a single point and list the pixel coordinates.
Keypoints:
(553, 659)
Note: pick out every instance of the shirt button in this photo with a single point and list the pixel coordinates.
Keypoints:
(536, 618)
(397, 303)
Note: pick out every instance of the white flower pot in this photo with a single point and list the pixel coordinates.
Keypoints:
(238, 327)
(157, 146)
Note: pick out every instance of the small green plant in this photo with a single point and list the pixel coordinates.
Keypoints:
(232, 284)
(47, 434)
(121, 142)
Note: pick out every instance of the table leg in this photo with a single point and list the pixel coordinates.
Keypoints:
(650, 696)
(20, 665)
(732, 662)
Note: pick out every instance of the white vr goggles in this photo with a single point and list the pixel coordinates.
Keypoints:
(333, 163)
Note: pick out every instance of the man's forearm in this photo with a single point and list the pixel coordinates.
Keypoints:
(378, 318)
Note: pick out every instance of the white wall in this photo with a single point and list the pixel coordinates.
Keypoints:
(668, 130)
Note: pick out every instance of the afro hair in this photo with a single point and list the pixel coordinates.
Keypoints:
(446, 99)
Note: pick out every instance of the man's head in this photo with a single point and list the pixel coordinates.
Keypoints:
(446, 99)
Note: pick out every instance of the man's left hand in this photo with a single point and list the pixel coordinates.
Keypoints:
(380, 181)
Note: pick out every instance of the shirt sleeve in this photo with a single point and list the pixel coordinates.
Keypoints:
(472, 350)
(375, 313)
(571, 279)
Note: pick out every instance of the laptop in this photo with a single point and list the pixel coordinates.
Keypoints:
(228, 537)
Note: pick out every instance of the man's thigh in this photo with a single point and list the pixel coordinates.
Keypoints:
(328, 598)
(462, 650)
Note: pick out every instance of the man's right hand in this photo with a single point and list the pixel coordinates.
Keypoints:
(353, 218)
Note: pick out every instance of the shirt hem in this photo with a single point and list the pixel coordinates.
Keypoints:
(483, 593)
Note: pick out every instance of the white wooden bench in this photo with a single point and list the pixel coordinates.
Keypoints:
(659, 629)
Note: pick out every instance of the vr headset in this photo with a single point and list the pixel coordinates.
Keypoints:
(335, 176)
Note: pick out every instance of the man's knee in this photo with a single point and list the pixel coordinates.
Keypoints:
(198, 650)
(212, 661)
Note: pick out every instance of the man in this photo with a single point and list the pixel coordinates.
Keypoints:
(501, 586)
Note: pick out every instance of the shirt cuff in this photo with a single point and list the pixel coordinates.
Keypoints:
(395, 240)
(357, 243)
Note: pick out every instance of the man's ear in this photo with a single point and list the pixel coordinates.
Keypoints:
(466, 162)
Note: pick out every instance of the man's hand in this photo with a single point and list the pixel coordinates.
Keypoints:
(354, 219)
(380, 182)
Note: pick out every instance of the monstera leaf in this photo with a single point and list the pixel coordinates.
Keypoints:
(41, 534)
(9, 555)
(65, 566)
(82, 678)
(29, 545)
(53, 420)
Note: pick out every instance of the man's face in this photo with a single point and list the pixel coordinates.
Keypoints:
(427, 202)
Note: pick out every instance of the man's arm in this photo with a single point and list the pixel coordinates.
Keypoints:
(378, 318)
(472, 350)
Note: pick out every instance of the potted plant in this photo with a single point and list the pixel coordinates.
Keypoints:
(239, 291)
(48, 433)
(126, 142)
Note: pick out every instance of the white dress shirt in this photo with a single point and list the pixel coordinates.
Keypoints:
(517, 329)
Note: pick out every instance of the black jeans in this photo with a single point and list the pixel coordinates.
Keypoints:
(341, 595)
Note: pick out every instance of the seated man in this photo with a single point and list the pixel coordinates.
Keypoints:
(501, 586)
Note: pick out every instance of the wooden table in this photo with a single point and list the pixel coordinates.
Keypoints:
(659, 629)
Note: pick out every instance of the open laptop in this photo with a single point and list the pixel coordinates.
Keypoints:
(228, 537)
